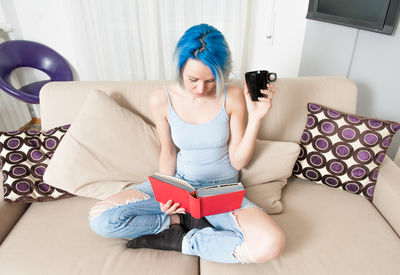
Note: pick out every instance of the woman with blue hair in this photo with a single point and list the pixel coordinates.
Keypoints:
(200, 121)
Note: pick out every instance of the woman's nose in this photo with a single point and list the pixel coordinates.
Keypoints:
(200, 87)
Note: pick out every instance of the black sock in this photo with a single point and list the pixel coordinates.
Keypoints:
(169, 239)
(188, 222)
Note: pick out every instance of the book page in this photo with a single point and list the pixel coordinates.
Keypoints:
(219, 189)
(174, 181)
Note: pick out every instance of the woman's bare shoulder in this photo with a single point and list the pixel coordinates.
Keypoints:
(235, 91)
(158, 103)
(234, 98)
(159, 98)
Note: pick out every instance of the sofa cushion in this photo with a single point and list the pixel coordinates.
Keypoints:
(271, 161)
(343, 150)
(24, 156)
(106, 149)
(55, 238)
(387, 193)
(285, 121)
(9, 216)
(266, 173)
(267, 196)
(328, 231)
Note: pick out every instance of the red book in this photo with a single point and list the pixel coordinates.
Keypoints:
(202, 202)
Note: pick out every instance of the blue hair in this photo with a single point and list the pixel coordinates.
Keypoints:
(207, 44)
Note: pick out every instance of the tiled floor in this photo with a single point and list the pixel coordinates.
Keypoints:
(31, 126)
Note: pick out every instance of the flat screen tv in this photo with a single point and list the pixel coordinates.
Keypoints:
(371, 15)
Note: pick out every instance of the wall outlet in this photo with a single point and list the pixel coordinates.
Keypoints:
(270, 28)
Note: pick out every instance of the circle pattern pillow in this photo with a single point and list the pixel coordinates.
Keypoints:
(343, 150)
(24, 159)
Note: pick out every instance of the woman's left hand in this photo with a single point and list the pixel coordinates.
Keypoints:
(258, 109)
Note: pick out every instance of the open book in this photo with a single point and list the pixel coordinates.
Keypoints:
(202, 202)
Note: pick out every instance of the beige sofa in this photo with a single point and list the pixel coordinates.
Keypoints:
(328, 231)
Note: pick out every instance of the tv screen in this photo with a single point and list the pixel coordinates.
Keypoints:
(372, 15)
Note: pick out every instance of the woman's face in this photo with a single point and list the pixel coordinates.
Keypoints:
(198, 78)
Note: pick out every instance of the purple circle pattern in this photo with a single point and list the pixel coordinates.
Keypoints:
(33, 142)
(370, 138)
(327, 127)
(385, 143)
(311, 174)
(368, 190)
(314, 108)
(353, 187)
(393, 128)
(311, 121)
(13, 143)
(316, 159)
(306, 137)
(332, 114)
(23, 162)
(379, 157)
(363, 155)
(343, 151)
(297, 168)
(353, 120)
(303, 153)
(36, 156)
(375, 124)
(348, 134)
(373, 176)
(332, 181)
(336, 167)
(358, 172)
(43, 188)
(321, 144)
(15, 157)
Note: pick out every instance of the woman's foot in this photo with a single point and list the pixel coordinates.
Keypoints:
(169, 239)
(188, 222)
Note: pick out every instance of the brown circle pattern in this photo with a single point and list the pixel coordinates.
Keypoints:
(343, 150)
(24, 159)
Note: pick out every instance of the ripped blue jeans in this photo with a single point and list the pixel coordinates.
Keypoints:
(143, 217)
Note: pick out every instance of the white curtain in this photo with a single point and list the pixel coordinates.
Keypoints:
(135, 39)
(13, 113)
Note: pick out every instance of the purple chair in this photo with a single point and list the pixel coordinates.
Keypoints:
(21, 53)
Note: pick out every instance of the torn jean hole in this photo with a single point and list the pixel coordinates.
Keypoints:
(241, 252)
(115, 201)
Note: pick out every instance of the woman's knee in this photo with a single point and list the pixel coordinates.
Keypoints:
(269, 246)
(118, 199)
(99, 226)
(265, 249)
(102, 222)
(264, 240)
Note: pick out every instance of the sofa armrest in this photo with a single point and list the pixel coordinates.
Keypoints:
(9, 216)
(387, 193)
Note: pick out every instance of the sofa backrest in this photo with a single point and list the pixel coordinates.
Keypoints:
(61, 101)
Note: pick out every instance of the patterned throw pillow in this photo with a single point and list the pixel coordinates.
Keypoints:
(342, 150)
(24, 159)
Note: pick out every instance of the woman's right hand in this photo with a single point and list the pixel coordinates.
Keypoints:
(170, 208)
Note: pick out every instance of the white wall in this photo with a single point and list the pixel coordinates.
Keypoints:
(282, 52)
(43, 21)
(371, 60)
(13, 113)
(2, 17)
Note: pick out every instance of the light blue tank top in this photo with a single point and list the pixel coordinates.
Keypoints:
(203, 154)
